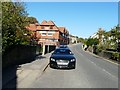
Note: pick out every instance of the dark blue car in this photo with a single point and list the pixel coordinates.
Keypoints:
(62, 58)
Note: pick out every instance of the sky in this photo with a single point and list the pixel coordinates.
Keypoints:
(81, 19)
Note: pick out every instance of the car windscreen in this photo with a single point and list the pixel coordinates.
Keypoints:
(62, 51)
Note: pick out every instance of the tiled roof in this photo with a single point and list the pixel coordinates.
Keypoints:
(34, 27)
(44, 22)
(47, 23)
(61, 29)
(55, 28)
(50, 23)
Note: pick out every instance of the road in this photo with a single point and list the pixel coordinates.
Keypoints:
(91, 72)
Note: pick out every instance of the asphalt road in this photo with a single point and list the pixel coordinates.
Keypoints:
(91, 72)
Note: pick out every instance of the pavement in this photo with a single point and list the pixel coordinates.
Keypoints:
(12, 73)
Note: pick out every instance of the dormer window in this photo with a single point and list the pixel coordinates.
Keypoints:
(51, 27)
(42, 27)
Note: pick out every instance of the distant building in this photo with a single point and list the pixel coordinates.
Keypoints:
(99, 35)
(72, 39)
(95, 35)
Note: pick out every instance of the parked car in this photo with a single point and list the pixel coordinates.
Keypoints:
(63, 46)
(62, 58)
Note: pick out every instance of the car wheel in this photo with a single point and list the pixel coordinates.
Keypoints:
(51, 66)
(74, 66)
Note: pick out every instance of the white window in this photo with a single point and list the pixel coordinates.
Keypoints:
(42, 31)
(43, 34)
(50, 34)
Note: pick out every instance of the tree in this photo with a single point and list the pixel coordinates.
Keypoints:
(32, 20)
(100, 35)
(81, 40)
(115, 36)
(14, 20)
(92, 41)
(106, 40)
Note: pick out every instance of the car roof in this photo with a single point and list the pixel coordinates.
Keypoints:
(63, 48)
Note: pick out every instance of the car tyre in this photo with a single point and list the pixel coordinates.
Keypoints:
(74, 67)
(51, 66)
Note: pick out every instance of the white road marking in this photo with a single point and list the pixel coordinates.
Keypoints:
(109, 73)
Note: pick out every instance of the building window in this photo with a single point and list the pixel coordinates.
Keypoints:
(43, 34)
(51, 27)
(42, 27)
(50, 34)
(42, 31)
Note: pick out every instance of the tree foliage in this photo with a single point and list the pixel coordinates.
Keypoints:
(32, 20)
(14, 20)
(92, 41)
(109, 39)
(81, 40)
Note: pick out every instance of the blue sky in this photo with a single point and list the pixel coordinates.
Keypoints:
(80, 18)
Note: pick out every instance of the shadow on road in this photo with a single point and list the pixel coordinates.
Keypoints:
(63, 68)
(9, 78)
(40, 57)
(9, 74)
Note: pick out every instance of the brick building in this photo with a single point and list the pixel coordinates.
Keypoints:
(47, 33)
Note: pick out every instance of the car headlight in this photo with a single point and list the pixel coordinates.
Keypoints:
(52, 59)
(72, 60)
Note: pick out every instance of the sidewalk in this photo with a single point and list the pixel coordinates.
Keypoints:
(12, 73)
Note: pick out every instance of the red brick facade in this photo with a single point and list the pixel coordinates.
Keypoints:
(49, 34)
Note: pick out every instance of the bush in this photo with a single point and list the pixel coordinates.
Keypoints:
(91, 41)
(115, 56)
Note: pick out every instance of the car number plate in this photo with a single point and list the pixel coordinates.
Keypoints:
(62, 63)
(59, 63)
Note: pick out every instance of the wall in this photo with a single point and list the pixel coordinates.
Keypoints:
(19, 54)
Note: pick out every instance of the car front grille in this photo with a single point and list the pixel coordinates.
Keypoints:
(63, 61)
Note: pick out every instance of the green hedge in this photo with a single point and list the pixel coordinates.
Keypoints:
(114, 55)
